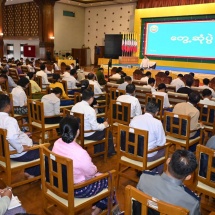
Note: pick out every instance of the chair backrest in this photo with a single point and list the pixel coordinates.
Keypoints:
(159, 100)
(170, 88)
(57, 176)
(115, 93)
(120, 112)
(14, 74)
(133, 144)
(176, 125)
(207, 114)
(65, 85)
(38, 79)
(140, 94)
(24, 69)
(138, 74)
(5, 87)
(139, 83)
(113, 80)
(206, 165)
(175, 98)
(110, 85)
(165, 80)
(197, 89)
(91, 86)
(77, 97)
(150, 203)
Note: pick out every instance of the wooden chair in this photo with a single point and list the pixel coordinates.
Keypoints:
(165, 80)
(5, 87)
(137, 74)
(110, 85)
(140, 94)
(170, 88)
(113, 80)
(197, 89)
(10, 166)
(30, 95)
(139, 83)
(149, 202)
(37, 120)
(14, 74)
(115, 93)
(132, 152)
(177, 130)
(175, 98)
(89, 143)
(39, 81)
(58, 185)
(212, 213)
(205, 171)
(159, 100)
(24, 69)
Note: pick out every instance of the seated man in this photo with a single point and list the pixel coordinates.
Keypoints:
(129, 98)
(44, 76)
(189, 108)
(69, 77)
(156, 135)
(127, 80)
(187, 89)
(178, 83)
(11, 82)
(17, 139)
(100, 76)
(207, 96)
(146, 78)
(145, 63)
(90, 122)
(117, 75)
(162, 92)
(151, 85)
(34, 86)
(169, 186)
(205, 85)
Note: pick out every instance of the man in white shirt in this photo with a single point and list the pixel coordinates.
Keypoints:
(145, 63)
(206, 83)
(51, 103)
(129, 98)
(151, 84)
(3, 79)
(147, 76)
(30, 67)
(178, 83)
(90, 122)
(97, 86)
(207, 96)
(156, 135)
(17, 139)
(69, 77)
(117, 75)
(127, 81)
(44, 76)
(162, 92)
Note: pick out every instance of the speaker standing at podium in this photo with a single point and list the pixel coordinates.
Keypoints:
(145, 63)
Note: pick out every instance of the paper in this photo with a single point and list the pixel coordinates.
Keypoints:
(14, 202)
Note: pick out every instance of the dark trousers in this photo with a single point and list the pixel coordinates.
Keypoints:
(193, 147)
(29, 156)
(54, 120)
(99, 135)
(66, 102)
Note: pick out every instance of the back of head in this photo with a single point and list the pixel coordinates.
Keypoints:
(152, 107)
(206, 81)
(194, 97)
(189, 81)
(192, 74)
(127, 78)
(118, 70)
(148, 74)
(5, 71)
(151, 81)
(206, 93)
(182, 164)
(130, 88)
(67, 68)
(161, 86)
(90, 76)
(23, 81)
(56, 77)
(72, 72)
(3, 76)
(68, 128)
(167, 72)
(84, 85)
(19, 64)
(57, 90)
(180, 76)
(42, 66)
(31, 75)
(4, 101)
(87, 94)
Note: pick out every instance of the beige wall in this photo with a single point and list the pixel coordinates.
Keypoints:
(68, 31)
(113, 19)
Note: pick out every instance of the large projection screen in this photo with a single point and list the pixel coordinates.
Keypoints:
(188, 39)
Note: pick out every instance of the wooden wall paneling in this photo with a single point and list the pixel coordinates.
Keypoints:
(10, 20)
(18, 19)
(98, 53)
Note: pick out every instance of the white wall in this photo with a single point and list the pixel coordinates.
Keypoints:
(112, 19)
(16, 46)
(68, 31)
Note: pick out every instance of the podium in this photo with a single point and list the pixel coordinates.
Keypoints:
(128, 60)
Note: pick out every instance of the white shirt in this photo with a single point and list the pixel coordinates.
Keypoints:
(30, 68)
(11, 82)
(0, 88)
(15, 136)
(144, 63)
(135, 104)
(71, 81)
(19, 96)
(44, 76)
(97, 88)
(166, 103)
(207, 101)
(145, 79)
(80, 74)
(51, 104)
(178, 83)
(123, 86)
(207, 87)
(156, 135)
(152, 88)
(116, 76)
(56, 67)
(90, 120)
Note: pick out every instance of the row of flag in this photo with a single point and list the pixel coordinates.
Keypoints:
(129, 43)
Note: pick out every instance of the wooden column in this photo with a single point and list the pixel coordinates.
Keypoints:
(1, 29)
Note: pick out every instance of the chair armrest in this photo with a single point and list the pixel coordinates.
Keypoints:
(158, 148)
(94, 179)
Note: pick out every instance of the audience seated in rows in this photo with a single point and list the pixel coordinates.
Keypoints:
(207, 96)
(146, 78)
(129, 98)
(127, 80)
(169, 186)
(117, 75)
(156, 135)
(90, 122)
(3, 79)
(34, 86)
(187, 89)
(97, 87)
(178, 83)
(44, 76)
(17, 139)
(69, 77)
(83, 167)
(100, 76)
(205, 85)
(20, 97)
(161, 91)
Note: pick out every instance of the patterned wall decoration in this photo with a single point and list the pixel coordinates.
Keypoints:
(113, 19)
(21, 20)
